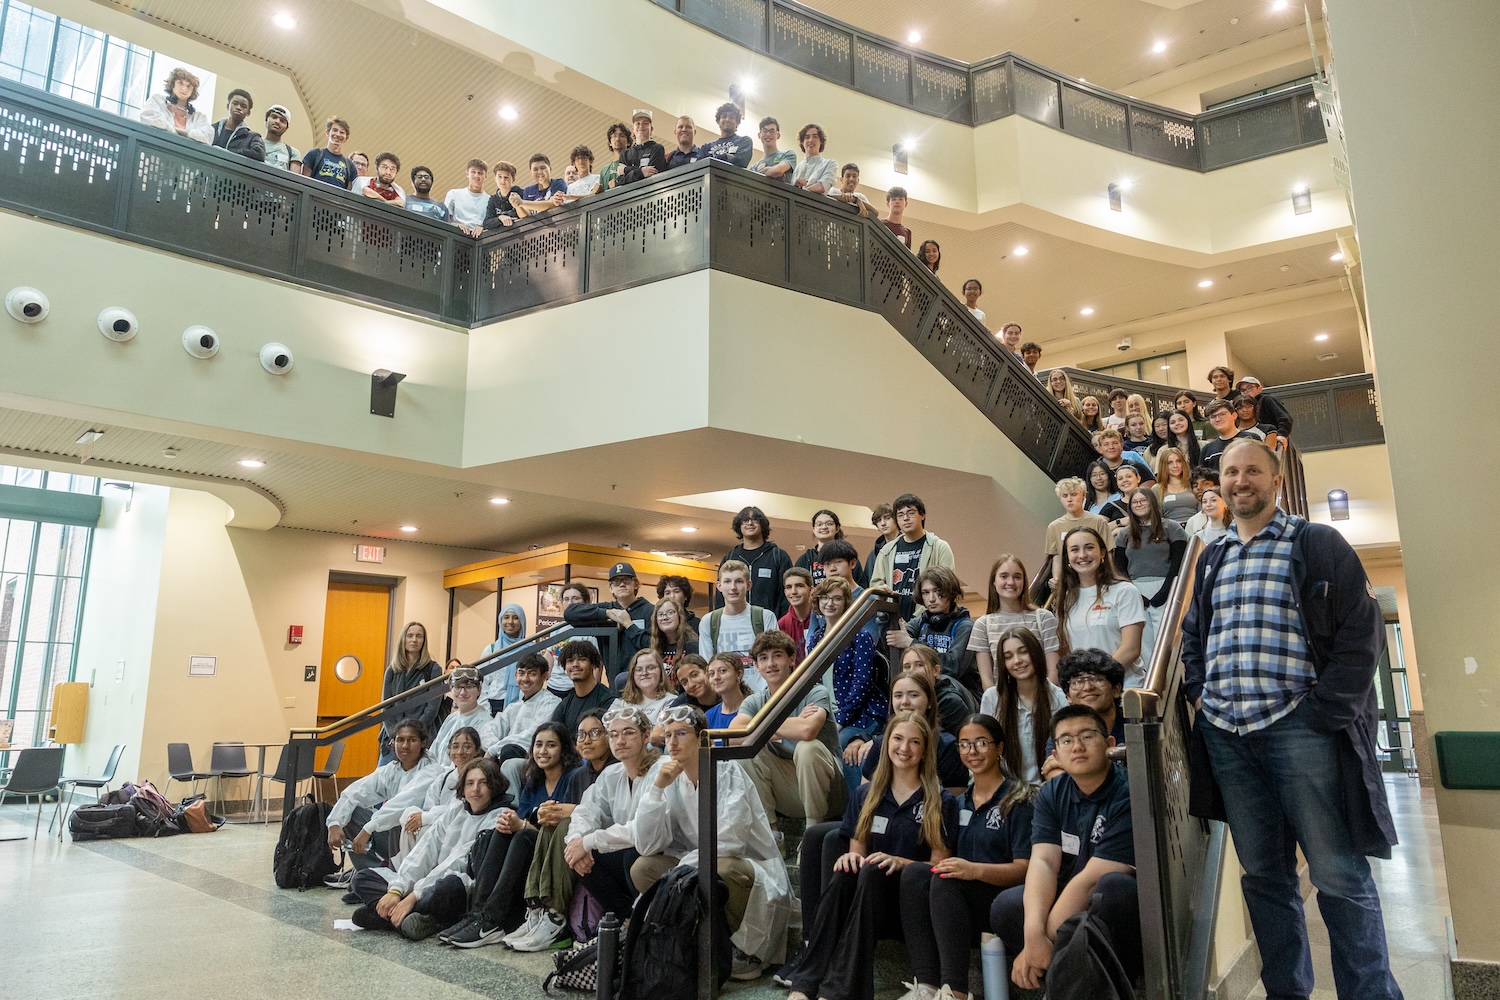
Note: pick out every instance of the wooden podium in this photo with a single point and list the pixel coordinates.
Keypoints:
(70, 709)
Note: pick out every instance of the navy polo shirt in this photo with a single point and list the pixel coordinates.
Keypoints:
(1118, 732)
(534, 192)
(951, 770)
(532, 796)
(1085, 826)
(677, 158)
(897, 829)
(988, 838)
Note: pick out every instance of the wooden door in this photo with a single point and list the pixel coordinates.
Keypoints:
(356, 621)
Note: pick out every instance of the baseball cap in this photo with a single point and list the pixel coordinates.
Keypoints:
(621, 569)
(281, 110)
(640, 113)
(1248, 380)
(464, 673)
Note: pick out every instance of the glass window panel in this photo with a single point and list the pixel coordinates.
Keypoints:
(65, 621)
(8, 475)
(18, 546)
(39, 612)
(49, 548)
(33, 663)
(76, 547)
(76, 62)
(26, 49)
(12, 593)
(29, 477)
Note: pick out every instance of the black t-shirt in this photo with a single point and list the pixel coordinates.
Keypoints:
(1085, 826)
(1214, 450)
(570, 707)
(330, 168)
(736, 150)
(988, 838)
(897, 829)
(497, 208)
(904, 572)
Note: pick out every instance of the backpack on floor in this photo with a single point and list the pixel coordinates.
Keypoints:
(102, 822)
(1084, 964)
(155, 816)
(303, 858)
(661, 947)
(577, 968)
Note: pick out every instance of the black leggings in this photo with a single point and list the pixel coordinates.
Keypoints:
(440, 905)
(609, 881)
(961, 907)
(856, 911)
(1113, 901)
(821, 846)
(500, 881)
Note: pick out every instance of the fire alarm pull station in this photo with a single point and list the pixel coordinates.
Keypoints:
(294, 635)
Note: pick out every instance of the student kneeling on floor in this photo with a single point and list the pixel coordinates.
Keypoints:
(666, 835)
(357, 805)
(1082, 856)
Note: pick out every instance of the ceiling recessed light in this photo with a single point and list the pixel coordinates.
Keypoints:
(1159, 48)
(498, 501)
(408, 527)
(1206, 283)
(1021, 251)
(913, 37)
(1086, 311)
(284, 21)
(1338, 256)
(509, 113)
(1321, 337)
(1313, 103)
(1166, 368)
(1280, 5)
(170, 452)
(689, 528)
(251, 463)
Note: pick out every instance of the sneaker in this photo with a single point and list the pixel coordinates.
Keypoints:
(475, 935)
(340, 879)
(788, 969)
(527, 928)
(417, 927)
(365, 918)
(745, 967)
(920, 991)
(550, 926)
(448, 932)
(352, 898)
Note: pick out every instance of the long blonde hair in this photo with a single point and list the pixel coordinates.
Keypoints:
(1163, 478)
(1068, 398)
(401, 662)
(932, 792)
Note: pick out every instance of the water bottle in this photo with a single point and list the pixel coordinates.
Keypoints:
(608, 958)
(996, 974)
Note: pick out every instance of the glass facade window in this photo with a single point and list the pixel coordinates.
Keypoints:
(40, 49)
(1164, 369)
(42, 570)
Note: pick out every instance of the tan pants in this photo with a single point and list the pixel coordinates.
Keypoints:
(809, 786)
(737, 873)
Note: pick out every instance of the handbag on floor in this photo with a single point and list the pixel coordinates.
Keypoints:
(194, 817)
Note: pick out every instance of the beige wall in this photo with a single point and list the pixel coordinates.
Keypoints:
(1429, 233)
(229, 593)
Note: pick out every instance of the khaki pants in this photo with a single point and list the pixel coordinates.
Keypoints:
(809, 786)
(737, 873)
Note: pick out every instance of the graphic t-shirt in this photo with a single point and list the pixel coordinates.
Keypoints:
(608, 174)
(902, 233)
(281, 155)
(776, 159)
(736, 150)
(330, 168)
(904, 572)
(430, 207)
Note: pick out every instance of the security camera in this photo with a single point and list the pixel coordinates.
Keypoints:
(200, 342)
(119, 324)
(276, 358)
(27, 305)
(1123, 345)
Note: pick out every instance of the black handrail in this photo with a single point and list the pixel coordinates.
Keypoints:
(748, 742)
(303, 741)
(1007, 84)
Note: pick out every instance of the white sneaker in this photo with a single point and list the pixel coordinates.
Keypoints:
(527, 928)
(920, 991)
(745, 967)
(548, 929)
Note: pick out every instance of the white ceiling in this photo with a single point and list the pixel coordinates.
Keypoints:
(1285, 351)
(1108, 42)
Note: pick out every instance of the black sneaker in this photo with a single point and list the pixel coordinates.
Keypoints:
(788, 970)
(476, 935)
(447, 933)
(365, 918)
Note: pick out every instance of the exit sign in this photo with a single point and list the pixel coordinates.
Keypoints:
(369, 553)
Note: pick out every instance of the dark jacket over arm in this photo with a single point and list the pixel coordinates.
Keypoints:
(1268, 410)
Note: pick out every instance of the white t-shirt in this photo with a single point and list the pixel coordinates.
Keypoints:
(1095, 623)
(737, 634)
(467, 207)
(583, 185)
(1025, 722)
(978, 313)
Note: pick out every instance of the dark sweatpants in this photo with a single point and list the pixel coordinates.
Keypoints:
(857, 910)
(609, 881)
(961, 907)
(500, 881)
(383, 843)
(1113, 901)
(821, 846)
(369, 886)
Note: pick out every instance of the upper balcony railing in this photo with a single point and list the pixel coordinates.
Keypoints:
(1004, 85)
(74, 165)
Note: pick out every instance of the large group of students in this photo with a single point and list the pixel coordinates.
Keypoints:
(950, 776)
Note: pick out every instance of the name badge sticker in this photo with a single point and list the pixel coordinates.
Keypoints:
(1070, 844)
(964, 815)
(764, 573)
(639, 623)
(879, 823)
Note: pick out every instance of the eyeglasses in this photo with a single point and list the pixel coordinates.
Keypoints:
(964, 746)
(645, 669)
(590, 736)
(625, 733)
(1088, 680)
(1087, 736)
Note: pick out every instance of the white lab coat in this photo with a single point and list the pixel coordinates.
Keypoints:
(444, 850)
(605, 819)
(480, 718)
(376, 787)
(518, 723)
(666, 822)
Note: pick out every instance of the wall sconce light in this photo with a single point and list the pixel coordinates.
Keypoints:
(737, 94)
(383, 384)
(1338, 505)
(1302, 201)
(1115, 202)
(899, 158)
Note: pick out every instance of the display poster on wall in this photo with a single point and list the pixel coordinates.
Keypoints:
(549, 605)
(203, 666)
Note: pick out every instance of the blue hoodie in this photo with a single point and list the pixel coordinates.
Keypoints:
(502, 683)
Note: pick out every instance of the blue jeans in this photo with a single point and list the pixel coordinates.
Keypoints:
(1282, 789)
(847, 735)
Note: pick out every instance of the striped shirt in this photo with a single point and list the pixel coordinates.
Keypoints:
(1257, 665)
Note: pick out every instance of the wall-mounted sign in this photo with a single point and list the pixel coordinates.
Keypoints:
(203, 666)
(369, 553)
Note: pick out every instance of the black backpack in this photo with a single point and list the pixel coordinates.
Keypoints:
(661, 947)
(103, 821)
(1084, 965)
(303, 858)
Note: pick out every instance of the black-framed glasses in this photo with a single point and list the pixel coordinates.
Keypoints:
(1087, 680)
(1087, 736)
(590, 736)
(981, 745)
